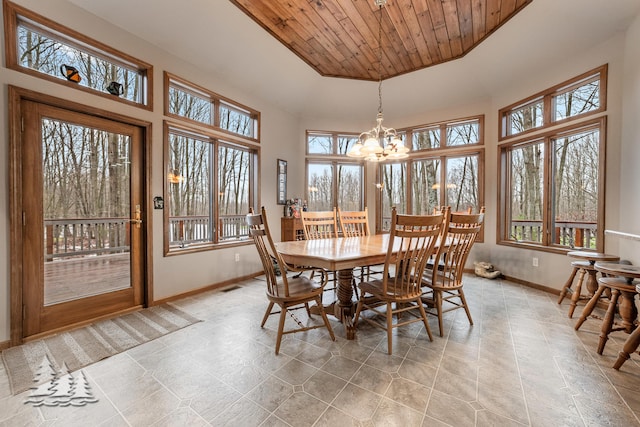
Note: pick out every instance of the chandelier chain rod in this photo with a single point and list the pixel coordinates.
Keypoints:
(380, 58)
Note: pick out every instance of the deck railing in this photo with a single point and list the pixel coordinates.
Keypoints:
(185, 230)
(572, 234)
(79, 237)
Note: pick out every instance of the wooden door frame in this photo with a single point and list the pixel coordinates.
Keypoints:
(15, 98)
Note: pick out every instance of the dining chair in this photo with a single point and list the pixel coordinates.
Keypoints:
(319, 224)
(412, 240)
(288, 293)
(443, 282)
(356, 224)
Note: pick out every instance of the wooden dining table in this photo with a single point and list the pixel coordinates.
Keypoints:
(342, 255)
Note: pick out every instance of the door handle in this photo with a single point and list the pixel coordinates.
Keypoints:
(137, 219)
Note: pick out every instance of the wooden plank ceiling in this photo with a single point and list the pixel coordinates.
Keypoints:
(339, 38)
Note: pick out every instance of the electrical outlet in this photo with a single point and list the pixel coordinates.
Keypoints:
(535, 261)
(237, 257)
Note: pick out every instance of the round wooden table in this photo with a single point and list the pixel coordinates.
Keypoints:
(628, 311)
(585, 265)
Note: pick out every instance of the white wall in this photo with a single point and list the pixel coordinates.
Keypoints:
(629, 202)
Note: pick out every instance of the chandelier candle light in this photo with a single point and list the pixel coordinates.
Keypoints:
(380, 142)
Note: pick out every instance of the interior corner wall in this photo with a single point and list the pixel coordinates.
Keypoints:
(629, 204)
(173, 275)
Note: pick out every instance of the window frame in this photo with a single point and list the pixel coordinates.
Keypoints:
(334, 159)
(441, 155)
(172, 80)
(442, 127)
(547, 96)
(15, 14)
(547, 138)
(217, 139)
(334, 164)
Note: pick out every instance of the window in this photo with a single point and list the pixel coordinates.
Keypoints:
(457, 185)
(445, 134)
(442, 169)
(332, 180)
(184, 100)
(572, 193)
(578, 97)
(210, 187)
(48, 50)
(212, 172)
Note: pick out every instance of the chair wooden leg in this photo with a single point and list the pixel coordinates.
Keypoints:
(437, 300)
(324, 318)
(306, 306)
(358, 309)
(607, 323)
(586, 311)
(567, 285)
(576, 294)
(466, 307)
(423, 313)
(630, 346)
(283, 316)
(389, 326)
(266, 314)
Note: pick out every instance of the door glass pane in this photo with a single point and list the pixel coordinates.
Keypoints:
(425, 186)
(394, 191)
(319, 187)
(86, 211)
(526, 189)
(350, 187)
(462, 183)
(576, 179)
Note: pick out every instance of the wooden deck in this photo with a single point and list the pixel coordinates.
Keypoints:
(76, 278)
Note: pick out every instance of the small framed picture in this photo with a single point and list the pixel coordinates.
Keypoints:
(282, 182)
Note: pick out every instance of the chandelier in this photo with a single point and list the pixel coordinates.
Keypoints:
(379, 143)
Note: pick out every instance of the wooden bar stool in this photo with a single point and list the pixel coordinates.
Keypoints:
(619, 286)
(630, 345)
(585, 265)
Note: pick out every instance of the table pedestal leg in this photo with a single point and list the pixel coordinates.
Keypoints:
(343, 310)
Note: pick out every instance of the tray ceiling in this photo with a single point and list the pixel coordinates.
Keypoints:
(339, 38)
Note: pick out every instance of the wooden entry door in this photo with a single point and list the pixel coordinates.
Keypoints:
(82, 221)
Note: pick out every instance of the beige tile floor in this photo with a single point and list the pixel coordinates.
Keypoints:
(520, 364)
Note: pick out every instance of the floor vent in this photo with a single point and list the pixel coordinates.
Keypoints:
(233, 288)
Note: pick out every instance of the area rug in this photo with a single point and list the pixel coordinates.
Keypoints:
(94, 342)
